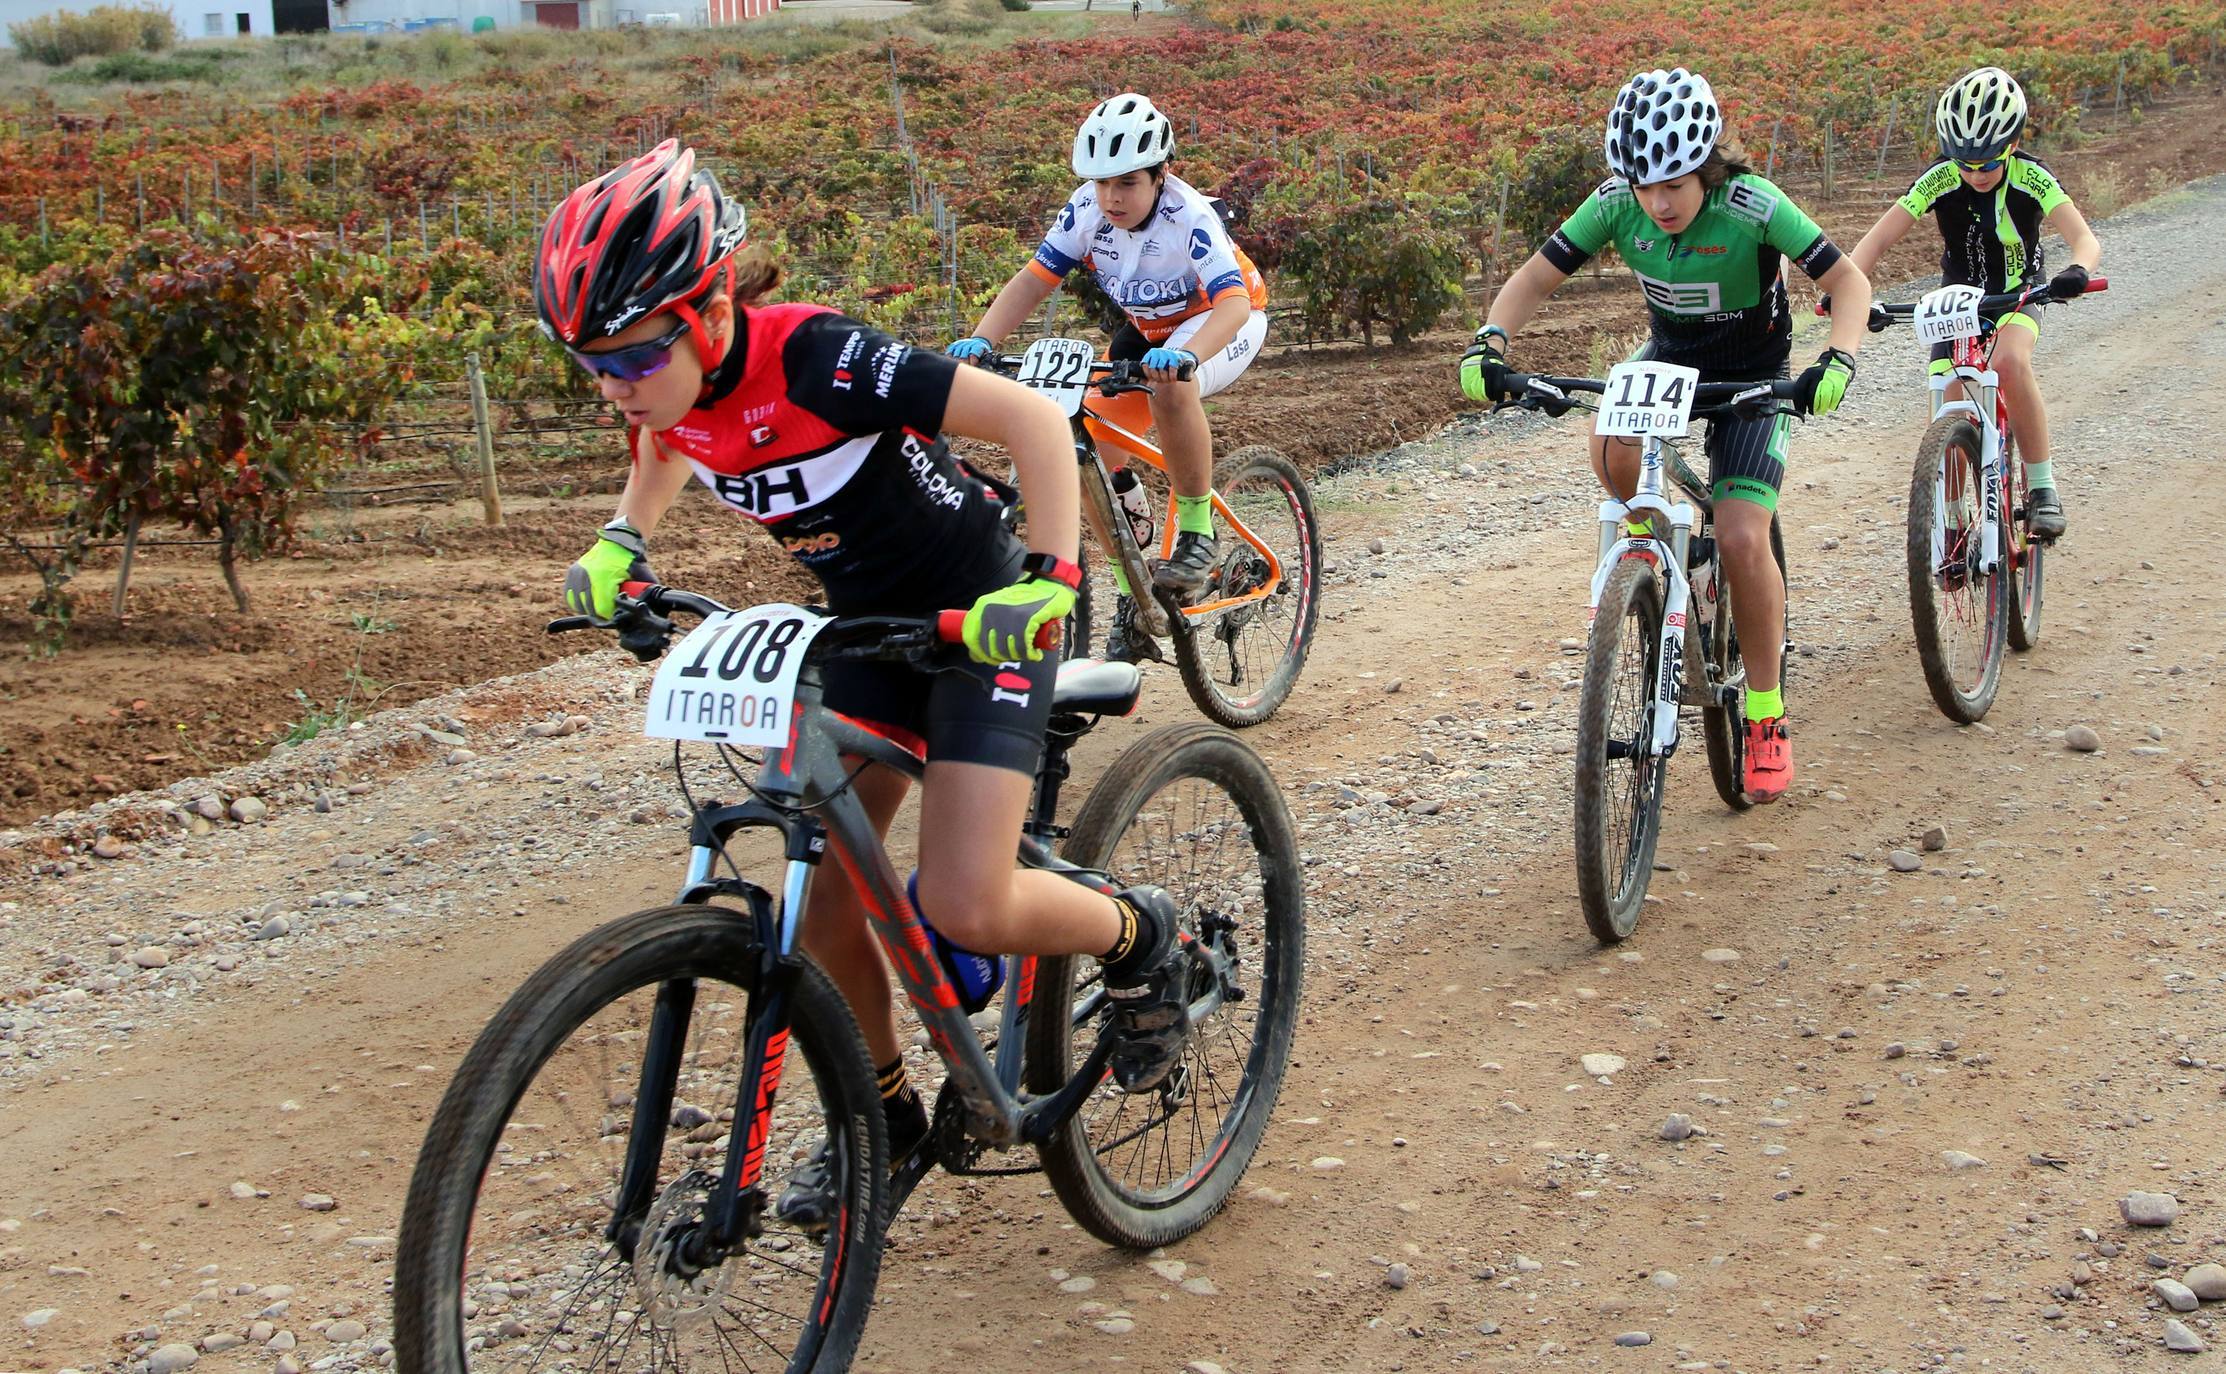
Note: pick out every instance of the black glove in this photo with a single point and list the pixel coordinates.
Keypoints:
(2070, 282)
(1824, 386)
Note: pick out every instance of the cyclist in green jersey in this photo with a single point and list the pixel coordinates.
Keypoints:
(1706, 239)
(1991, 202)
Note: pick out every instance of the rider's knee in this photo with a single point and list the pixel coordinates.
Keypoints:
(969, 910)
(1742, 540)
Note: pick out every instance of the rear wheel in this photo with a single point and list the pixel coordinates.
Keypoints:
(1192, 809)
(2025, 551)
(1619, 779)
(1241, 661)
(1960, 612)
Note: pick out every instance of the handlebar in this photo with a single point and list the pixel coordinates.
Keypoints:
(1553, 394)
(1115, 375)
(643, 619)
(1990, 307)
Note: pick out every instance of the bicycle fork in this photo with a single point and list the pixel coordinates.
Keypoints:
(1668, 558)
(1992, 479)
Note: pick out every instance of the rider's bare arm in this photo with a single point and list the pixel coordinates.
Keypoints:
(1035, 433)
(1020, 298)
(1889, 230)
(1849, 289)
(653, 485)
(1524, 292)
(2086, 249)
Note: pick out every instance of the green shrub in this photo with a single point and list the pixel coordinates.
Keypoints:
(192, 64)
(1016, 6)
(1372, 264)
(59, 39)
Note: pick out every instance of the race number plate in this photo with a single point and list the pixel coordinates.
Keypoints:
(1060, 369)
(1647, 399)
(733, 679)
(1948, 314)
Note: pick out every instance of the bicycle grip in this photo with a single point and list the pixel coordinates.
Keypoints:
(2095, 284)
(950, 627)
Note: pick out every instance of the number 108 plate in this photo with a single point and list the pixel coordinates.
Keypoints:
(733, 679)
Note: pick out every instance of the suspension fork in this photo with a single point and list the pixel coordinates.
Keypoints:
(736, 1201)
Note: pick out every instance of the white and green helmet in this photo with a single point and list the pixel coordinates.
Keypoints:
(1122, 135)
(1662, 126)
(1980, 115)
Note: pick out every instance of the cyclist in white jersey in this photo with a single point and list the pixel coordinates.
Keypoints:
(1157, 247)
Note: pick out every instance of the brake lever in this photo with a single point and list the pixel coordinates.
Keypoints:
(563, 624)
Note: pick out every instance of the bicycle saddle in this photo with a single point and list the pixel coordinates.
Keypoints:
(1098, 689)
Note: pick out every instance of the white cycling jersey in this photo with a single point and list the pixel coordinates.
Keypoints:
(1173, 268)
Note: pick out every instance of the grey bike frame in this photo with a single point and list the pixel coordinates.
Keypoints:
(809, 777)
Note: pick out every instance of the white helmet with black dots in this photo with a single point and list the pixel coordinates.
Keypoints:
(1980, 115)
(1125, 134)
(1662, 126)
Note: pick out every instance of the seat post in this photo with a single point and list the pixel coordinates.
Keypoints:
(1051, 773)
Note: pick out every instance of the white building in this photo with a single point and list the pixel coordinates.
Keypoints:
(194, 18)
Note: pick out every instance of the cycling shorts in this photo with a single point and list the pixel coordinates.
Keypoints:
(1214, 373)
(1746, 454)
(991, 714)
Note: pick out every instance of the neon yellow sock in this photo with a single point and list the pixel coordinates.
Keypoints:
(1120, 578)
(1639, 529)
(1194, 514)
(1763, 705)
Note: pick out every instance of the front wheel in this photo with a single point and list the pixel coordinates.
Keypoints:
(1960, 612)
(1240, 646)
(517, 1251)
(1619, 777)
(1191, 809)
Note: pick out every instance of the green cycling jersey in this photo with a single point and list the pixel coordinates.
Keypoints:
(1713, 289)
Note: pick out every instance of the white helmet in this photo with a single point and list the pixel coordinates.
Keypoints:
(1122, 135)
(1662, 125)
(1980, 115)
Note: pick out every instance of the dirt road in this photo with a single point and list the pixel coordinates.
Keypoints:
(1443, 1186)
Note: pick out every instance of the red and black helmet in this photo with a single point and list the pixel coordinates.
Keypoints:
(650, 236)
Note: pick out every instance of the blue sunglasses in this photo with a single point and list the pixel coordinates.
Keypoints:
(633, 363)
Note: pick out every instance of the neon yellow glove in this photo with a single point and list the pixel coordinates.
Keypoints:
(1003, 625)
(591, 585)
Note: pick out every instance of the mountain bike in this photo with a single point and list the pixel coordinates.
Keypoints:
(602, 1187)
(1662, 632)
(1975, 577)
(1239, 648)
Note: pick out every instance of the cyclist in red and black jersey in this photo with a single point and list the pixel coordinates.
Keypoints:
(1991, 201)
(828, 433)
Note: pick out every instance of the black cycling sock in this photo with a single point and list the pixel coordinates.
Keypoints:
(1139, 934)
(896, 1084)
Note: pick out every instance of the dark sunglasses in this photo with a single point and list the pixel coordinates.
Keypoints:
(1991, 166)
(635, 362)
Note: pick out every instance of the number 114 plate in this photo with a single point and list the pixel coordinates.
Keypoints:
(1645, 399)
(733, 679)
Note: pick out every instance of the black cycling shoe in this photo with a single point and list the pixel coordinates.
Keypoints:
(1127, 642)
(1184, 575)
(810, 1199)
(2044, 514)
(1149, 1003)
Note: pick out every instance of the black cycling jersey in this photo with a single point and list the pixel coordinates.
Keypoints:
(825, 432)
(1988, 239)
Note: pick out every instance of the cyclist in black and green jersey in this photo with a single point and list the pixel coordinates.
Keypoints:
(1990, 202)
(1706, 238)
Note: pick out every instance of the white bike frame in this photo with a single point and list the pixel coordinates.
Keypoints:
(1669, 557)
(1986, 382)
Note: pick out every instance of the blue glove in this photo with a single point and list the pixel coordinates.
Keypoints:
(1169, 359)
(971, 349)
